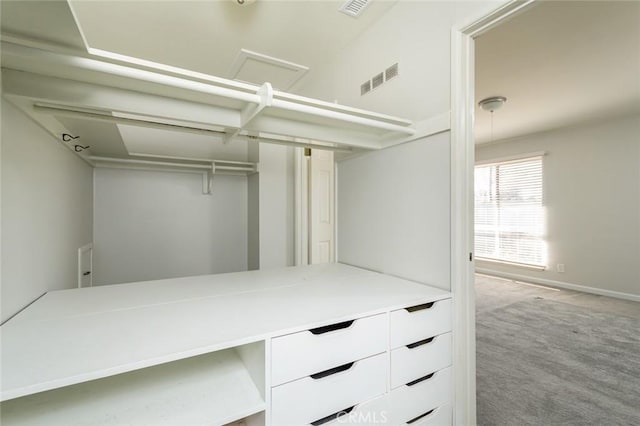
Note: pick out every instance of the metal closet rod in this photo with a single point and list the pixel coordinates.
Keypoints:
(244, 167)
(96, 116)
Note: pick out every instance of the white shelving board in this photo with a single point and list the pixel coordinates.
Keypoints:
(211, 389)
(72, 336)
(92, 86)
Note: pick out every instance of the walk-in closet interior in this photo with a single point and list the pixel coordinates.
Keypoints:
(229, 212)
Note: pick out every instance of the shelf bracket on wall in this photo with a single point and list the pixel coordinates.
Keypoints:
(207, 180)
(251, 111)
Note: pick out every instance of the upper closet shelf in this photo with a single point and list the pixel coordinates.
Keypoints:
(54, 83)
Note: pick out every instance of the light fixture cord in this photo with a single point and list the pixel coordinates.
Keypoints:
(491, 125)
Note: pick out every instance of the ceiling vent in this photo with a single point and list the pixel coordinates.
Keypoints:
(354, 8)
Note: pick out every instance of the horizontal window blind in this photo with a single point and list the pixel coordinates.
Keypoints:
(509, 212)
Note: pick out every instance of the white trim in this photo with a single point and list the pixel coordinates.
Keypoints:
(516, 264)
(462, 163)
(561, 284)
(511, 158)
(297, 206)
(462, 171)
(424, 128)
(301, 202)
(335, 210)
(81, 250)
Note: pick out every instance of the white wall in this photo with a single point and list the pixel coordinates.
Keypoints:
(153, 225)
(591, 179)
(416, 35)
(253, 222)
(46, 212)
(276, 192)
(393, 205)
(393, 214)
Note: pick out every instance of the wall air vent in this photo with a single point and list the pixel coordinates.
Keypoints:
(391, 72)
(354, 8)
(365, 87)
(377, 80)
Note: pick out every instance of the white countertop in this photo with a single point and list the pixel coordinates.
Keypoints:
(72, 336)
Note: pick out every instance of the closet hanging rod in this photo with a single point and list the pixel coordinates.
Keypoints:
(192, 159)
(87, 115)
(249, 167)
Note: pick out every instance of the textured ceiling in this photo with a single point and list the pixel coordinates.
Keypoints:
(207, 36)
(559, 64)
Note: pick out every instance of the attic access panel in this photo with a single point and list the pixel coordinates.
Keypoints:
(256, 68)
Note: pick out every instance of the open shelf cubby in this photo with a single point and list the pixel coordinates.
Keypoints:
(215, 388)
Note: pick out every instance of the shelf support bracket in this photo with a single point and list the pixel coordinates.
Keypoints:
(251, 111)
(207, 180)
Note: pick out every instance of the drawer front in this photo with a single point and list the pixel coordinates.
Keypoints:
(415, 399)
(420, 322)
(310, 399)
(372, 412)
(307, 352)
(441, 416)
(418, 359)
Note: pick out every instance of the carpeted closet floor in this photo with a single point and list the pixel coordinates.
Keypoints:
(555, 357)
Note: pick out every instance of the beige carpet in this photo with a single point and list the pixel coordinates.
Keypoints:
(548, 357)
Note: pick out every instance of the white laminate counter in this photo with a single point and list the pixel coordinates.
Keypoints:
(73, 336)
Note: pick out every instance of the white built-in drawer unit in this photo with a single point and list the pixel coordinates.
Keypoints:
(323, 345)
(440, 416)
(413, 400)
(418, 359)
(419, 322)
(325, 394)
(301, 354)
(374, 411)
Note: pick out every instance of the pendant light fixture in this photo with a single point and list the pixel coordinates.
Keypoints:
(491, 104)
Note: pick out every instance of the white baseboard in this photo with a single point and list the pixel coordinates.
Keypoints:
(561, 284)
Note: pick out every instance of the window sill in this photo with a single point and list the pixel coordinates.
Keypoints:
(519, 265)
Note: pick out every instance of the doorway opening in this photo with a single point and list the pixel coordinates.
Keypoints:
(557, 312)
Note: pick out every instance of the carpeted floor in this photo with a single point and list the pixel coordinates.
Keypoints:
(555, 357)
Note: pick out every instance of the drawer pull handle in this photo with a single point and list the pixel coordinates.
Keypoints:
(332, 327)
(420, 343)
(419, 307)
(421, 379)
(331, 371)
(332, 416)
(420, 416)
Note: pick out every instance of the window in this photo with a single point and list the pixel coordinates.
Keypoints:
(509, 215)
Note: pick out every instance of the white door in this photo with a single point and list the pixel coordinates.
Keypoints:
(85, 266)
(321, 207)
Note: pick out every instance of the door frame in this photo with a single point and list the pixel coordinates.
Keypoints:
(462, 222)
(86, 248)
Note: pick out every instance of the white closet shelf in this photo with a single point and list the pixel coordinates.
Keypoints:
(69, 337)
(214, 388)
(236, 109)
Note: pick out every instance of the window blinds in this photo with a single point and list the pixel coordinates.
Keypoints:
(509, 214)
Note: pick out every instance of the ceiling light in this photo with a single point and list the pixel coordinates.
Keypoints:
(493, 103)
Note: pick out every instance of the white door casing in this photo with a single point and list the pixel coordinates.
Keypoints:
(462, 219)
